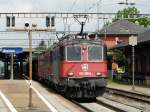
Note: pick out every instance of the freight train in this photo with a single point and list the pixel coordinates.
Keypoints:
(75, 66)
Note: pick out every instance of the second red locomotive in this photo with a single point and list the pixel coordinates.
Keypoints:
(74, 66)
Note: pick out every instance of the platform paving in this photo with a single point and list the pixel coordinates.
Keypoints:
(3, 107)
(138, 89)
(17, 92)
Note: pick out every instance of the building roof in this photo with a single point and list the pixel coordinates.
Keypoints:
(141, 38)
(123, 27)
(144, 36)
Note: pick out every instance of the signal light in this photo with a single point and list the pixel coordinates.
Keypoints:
(52, 21)
(47, 21)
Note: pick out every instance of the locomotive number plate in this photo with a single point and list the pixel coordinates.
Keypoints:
(85, 73)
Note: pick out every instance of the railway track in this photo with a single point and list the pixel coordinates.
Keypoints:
(102, 104)
(145, 98)
(105, 105)
(92, 106)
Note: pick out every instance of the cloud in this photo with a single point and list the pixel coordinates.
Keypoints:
(22, 5)
(65, 5)
(15, 6)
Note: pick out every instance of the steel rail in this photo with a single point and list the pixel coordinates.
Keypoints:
(132, 95)
(110, 106)
(78, 104)
(99, 103)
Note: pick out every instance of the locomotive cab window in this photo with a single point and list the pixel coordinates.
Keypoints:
(95, 53)
(73, 53)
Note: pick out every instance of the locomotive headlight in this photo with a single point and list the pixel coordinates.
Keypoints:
(70, 74)
(98, 74)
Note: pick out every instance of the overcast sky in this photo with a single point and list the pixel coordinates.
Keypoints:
(62, 6)
(67, 5)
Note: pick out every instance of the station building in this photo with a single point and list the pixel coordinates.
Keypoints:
(142, 58)
(119, 31)
(116, 36)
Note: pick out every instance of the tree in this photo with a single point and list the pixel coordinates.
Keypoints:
(119, 57)
(41, 47)
(132, 12)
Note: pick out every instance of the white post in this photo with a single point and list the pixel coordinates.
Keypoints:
(133, 42)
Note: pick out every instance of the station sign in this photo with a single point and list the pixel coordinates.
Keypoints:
(133, 40)
(10, 50)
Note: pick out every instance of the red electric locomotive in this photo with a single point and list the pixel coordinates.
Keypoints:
(75, 66)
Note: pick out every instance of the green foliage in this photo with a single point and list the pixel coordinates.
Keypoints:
(41, 47)
(132, 12)
(145, 21)
(119, 57)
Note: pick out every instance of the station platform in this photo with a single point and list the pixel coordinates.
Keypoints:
(138, 89)
(14, 95)
(3, 107)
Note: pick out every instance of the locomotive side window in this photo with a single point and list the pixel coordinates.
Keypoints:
(95, 53)
(74, 53)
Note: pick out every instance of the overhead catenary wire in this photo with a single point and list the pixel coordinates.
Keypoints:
(65, 19)
(73, 5)
(93, 5)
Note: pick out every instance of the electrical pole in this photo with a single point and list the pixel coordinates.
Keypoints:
(98, 11)
(29, 31)
(30, 67)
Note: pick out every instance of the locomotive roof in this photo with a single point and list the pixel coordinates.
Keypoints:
(72, 39)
